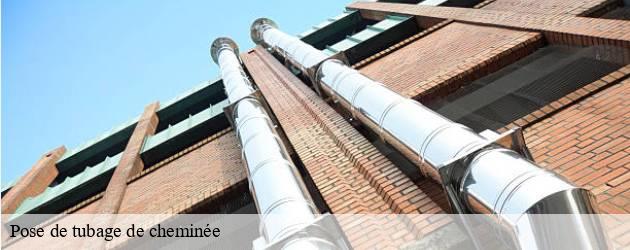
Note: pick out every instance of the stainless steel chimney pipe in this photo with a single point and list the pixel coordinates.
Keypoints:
(492, 180)
(281, 198)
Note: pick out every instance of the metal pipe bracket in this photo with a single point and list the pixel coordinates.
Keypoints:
(452, 171)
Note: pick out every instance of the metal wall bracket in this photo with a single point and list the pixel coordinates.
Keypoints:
(257, 94)
(453, 171)
(313, 72)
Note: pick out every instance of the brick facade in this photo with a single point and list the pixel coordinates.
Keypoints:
(582, 136)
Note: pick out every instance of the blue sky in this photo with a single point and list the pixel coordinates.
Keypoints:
(72, 70)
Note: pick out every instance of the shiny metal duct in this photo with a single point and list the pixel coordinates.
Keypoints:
(481, 174)
(281, 198)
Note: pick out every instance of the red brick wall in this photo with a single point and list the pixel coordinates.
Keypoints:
(589, 144)
(468, 51)
(185, 181)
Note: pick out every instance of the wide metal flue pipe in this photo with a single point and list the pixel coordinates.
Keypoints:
(282, 200)
(493, 180)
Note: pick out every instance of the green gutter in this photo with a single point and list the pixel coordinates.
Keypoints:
(320, 35)
(114, 140)
(343, 17)
(188, 93)
(179, 128)
(374, 38)
(185, 133)
(70, 184)
(97, 139)
(132, 121)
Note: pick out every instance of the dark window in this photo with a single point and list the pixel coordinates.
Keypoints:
(523, 87)
(620, 10)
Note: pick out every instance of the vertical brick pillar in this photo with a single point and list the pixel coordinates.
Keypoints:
(130, 162)
(34, 182)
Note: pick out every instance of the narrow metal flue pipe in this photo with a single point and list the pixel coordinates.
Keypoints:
(301, 55)
(496, 181)
(282, 200)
